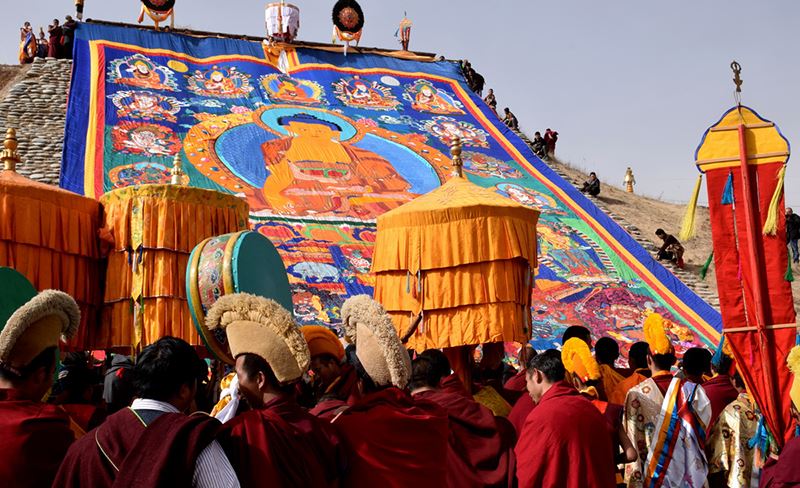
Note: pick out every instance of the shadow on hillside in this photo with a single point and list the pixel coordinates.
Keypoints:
(611, 201)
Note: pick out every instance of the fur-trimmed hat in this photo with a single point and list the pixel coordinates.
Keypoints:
(578, 359)
(260, 326)
(31, 322)
(369, 327)
(655, 334)
(322, 340)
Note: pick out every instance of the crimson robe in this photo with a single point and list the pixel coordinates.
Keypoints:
(483, 444)
(342, 391)
(520, 411)
(565, 443)
(282, 445)
(162, 453)
(784, 472)
(87, 416)
(34, 437)
(516, 387)
(395, 441)
(721, 393)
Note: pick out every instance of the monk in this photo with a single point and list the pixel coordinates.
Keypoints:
(154, 443)
(395, 440)
(606, 352)
(34, 436)
(74, 388)
(277, 443)
(637, 359)
(670, 452)
(481, 445)
(783, 472)
(334, 381)
(565, 442)
(720, 388)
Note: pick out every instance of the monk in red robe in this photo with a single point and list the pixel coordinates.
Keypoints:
(565, 442)
(34, 436)
(481, 445)
(395, 441)
(782, 471)
(720, 388)
(153, 443)
(277, 443)
(335, 382)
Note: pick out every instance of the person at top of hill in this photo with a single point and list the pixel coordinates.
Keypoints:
(510, 119)
(592, 185)
(550, 138)
(54, 45)
(491, 100)
(671, 249)
(538, 145)
(793, 233)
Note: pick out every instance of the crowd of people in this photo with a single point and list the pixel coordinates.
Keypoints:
(300, 409)
(58, 44)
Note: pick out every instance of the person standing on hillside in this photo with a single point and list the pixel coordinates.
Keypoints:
(54, 46)
(793, 233)
(551, 144)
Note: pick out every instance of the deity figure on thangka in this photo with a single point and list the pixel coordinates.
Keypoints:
(282, 88)
(219, 83)
(359, 93)
(140, 71)
(145, 138)
(146, 105)
(447, 128)
(425, 97)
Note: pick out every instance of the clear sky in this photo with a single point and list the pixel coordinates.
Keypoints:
(624, 82)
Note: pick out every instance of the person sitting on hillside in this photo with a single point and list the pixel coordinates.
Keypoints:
(538, 145)
(510, 119)
(592, 185)
(671, 250)
(491, 100)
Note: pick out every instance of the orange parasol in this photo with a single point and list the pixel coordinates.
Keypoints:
(454, 267)
(153, 229)
(50, 236)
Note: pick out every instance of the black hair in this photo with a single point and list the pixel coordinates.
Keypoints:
(164, 367)
(660, 232)
(254, 364)
(697, 361)
(593, 174)
(308, 119)
(637, 355)
(664, 361)
(606, 350)
(424, 373)
(578, 331)
(439, 362)
(549, 364)
(45, 359)
(724, 366)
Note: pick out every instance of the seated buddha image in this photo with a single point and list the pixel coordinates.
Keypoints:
(139, 71)
(220, 82)
(312, 171)
(291, 91)
(363, 94)
(426, 98)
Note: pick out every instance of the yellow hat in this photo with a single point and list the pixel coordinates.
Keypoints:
(260, 326)
(578, 359)
(793, 361)
(31, 323)
(655, 334)
(322, 340)
(369, 327)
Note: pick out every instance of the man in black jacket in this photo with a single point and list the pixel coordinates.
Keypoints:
(793, 233)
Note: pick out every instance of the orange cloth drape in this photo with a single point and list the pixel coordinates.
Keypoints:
(463, 256)
(50, 236)
(153, 229)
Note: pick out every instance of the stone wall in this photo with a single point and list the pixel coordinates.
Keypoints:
(36, 106)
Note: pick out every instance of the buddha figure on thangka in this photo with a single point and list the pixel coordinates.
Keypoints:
(317, 162)
(359, 93)
(425, 97)
(140, 71)
(219, 82)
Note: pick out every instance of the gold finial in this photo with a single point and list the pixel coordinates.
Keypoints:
(177, 171)
(455, 151)
(9, 155)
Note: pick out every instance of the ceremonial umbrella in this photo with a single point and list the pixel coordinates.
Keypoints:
(152, 230)
(743, 157)
(454, 267)
(50, 236)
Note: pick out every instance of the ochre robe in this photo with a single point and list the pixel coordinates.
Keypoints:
(565, 443)
(611, 379)
(784, 472)
(618, 394)
(721, 393)
(123, 451)
(394, 441)
(282, 445)
(34, 437)
(482, 443)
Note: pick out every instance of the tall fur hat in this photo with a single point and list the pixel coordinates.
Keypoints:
(369, 327)
(31, 322)
(260, 326)
(655, 334)
(578, 359)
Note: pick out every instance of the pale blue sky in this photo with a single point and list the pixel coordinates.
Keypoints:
(625, 82)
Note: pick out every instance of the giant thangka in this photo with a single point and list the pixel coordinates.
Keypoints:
(323, 149)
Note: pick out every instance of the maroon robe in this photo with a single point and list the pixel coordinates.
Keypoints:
(520, 411)
(784, 472)
(565, 443)
(283, 445)
(162, 453)
(85, 415)
(721, 393)
(54, 44)
(342, 391)
(34, 437)
(483, 450)
(395, 441)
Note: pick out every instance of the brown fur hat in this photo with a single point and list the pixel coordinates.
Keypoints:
(260, 326)
(369, 327)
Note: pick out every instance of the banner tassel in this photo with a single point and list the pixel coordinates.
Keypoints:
(704, 269)
(727, 192)
(789, 276)
(771, 223)
(688, 227)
